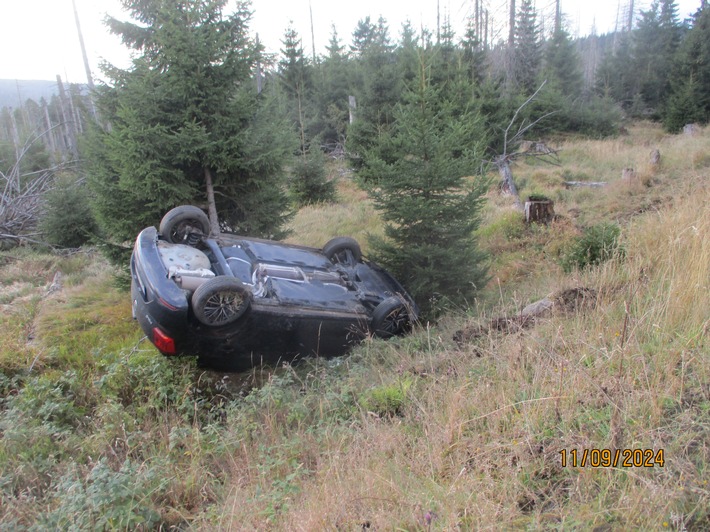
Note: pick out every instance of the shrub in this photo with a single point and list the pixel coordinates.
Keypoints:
(67, 220)
(598, 244)
(310, 184)
(106, 499)
(387, 400)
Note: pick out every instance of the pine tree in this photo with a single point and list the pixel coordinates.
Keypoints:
(429, 206)
(363, 36)
(332, 94)
(655, 42)
(186, 125)
(527, 56)
(690, 94)
(614, 77)
(309, 183)
(295, 79)
(562, 64)
(377, 86)
(407, 54)
(474, 56)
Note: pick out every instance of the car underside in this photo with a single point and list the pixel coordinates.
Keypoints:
(241, 301)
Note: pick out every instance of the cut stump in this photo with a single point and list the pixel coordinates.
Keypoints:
(539, 209)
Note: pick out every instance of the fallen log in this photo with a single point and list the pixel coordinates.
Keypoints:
(563, 302)
(595, 184)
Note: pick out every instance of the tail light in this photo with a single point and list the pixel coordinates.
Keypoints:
(163, 342)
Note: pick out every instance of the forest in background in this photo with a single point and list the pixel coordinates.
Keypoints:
(633, 66)
(204, 116)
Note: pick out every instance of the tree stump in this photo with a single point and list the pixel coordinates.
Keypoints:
(628, 174)
(539, 209)
(691, 130)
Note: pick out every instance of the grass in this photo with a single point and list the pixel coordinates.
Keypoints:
(352, 215)
(418, 433)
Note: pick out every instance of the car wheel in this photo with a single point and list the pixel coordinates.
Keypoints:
(179, 223)
(391, 318)
(220, 301)
(343, 250)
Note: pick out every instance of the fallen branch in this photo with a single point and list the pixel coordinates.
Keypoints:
(595, 184)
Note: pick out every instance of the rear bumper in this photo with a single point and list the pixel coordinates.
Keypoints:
(159, 305)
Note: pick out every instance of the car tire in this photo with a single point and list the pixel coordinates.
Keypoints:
(220, 301)
(343, 250)
(391, 318)
(179, 223)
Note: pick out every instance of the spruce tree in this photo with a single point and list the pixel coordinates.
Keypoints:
(655, 42)
(186, 123)
(332, 94)
(527, 56)
(308, 183)
(474, 56)
(428, 203)
(295, 80)
(690, 94)
(562, 64)
(378, 86)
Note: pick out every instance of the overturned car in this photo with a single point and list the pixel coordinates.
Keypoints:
(237, 301)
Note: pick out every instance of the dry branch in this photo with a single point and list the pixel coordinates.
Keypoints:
(22, 198)
(595, 184)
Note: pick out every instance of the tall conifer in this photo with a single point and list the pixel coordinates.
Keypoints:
(420, 184)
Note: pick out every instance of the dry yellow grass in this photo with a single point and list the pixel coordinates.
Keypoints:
(353, 215)
(421, 432)
(478, 441)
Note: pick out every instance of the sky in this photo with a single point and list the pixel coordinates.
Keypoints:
(38, 38)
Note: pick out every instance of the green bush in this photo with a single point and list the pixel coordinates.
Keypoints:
(106, 499)
(68, 221)
(598, 244)
(309, 183)
(387, 400)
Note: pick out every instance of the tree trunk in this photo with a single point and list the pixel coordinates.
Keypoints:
(87, 68)
(68, 124)
(628, 174)
(508, 185)
(50, 132)
(352, 107)
(211, 204)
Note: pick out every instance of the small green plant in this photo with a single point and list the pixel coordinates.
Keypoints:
(107, 499)
(387, 400)
(68, 221)
(598, 244)
(310, 183)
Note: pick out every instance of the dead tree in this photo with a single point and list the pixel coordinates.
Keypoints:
(22, 198)
(511, 150)
(87, 68)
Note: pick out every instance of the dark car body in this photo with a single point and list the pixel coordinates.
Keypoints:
(292, 300)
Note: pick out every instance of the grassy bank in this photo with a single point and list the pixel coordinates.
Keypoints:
(420, 433)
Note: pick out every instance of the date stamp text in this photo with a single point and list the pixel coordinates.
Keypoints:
(612, 458)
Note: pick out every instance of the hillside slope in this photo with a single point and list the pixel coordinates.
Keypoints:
(480, 421)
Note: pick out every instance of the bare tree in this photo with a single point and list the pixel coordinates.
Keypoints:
(87, 68)
(512, 143)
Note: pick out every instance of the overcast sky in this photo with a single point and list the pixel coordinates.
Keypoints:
(38, 39)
